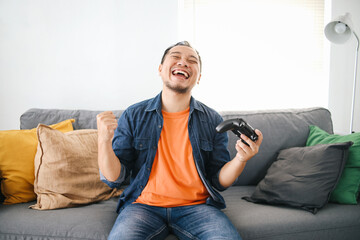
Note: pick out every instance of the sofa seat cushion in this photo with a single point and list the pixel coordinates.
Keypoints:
(261, 221)
(92, 221)
(253, 221)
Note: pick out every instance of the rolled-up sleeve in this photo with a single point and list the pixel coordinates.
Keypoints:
(219, 156)
(117, 183)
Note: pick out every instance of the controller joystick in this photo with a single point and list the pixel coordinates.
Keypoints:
(238, 126)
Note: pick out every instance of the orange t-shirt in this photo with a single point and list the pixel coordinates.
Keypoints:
(174, 180)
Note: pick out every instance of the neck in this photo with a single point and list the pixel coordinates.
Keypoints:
(175, 102)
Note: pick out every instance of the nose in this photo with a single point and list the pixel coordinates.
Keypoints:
(183, 63)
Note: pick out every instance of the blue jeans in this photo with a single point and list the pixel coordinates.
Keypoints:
(139, 221)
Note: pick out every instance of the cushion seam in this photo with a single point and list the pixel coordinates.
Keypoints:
(268, 112)
(44, 236)
(305, 231)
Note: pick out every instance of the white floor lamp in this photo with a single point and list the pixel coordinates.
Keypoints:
(339, 31)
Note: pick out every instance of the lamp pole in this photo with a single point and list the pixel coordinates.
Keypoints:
(354, 84)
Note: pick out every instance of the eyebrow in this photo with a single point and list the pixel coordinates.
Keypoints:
(193, 56)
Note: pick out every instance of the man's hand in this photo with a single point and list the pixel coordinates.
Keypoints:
(245, 152)
(231, 170)
(106, 124)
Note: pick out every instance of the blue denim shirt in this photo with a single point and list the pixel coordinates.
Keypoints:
(136, 140)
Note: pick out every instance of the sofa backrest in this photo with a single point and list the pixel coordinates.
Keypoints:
(84, 119)
(281, 129)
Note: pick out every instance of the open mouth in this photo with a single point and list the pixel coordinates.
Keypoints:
(179, 72)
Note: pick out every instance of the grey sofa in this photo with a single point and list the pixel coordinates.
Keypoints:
(281, 129)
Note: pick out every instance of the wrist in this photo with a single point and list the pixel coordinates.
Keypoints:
(240, 159)
(104, 143)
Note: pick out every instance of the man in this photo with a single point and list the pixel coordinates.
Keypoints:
(174, 157)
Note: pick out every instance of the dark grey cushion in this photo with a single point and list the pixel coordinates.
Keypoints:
(303, 177)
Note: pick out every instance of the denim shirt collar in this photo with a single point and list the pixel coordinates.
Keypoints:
(155, 105)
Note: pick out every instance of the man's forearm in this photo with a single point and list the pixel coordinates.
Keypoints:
(230, 172)
(109, 164)
(245, 151)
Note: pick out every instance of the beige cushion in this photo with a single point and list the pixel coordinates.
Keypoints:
(66, 169)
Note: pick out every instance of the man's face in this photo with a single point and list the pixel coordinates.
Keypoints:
(180, 70)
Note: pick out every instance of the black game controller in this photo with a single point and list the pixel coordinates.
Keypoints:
(238, 126)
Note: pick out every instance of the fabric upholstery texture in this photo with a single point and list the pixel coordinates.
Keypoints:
(66, 169)
(347, 190)
(17, 153)
(84, 119)
(87, 222)
(94, 221)
(270, 222)
(303, 177)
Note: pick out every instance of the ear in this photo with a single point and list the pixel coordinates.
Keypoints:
(198, 81)
(160, 68)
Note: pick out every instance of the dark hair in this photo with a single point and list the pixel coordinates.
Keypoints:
(182, 43)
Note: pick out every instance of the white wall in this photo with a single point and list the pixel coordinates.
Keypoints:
(342, 58)
(77, 54)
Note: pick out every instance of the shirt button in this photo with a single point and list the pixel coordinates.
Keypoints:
(154, 147)
(159, 126)
(140, 145)
(148, 169)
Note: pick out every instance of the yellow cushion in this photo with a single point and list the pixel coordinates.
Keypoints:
(17, 153)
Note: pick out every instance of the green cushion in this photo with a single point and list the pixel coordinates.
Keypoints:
(347, 189)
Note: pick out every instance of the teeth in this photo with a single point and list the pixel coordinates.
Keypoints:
(181, 72)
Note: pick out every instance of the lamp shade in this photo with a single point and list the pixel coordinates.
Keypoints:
(339, 30)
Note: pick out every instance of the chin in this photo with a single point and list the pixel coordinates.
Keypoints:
(177, 89)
